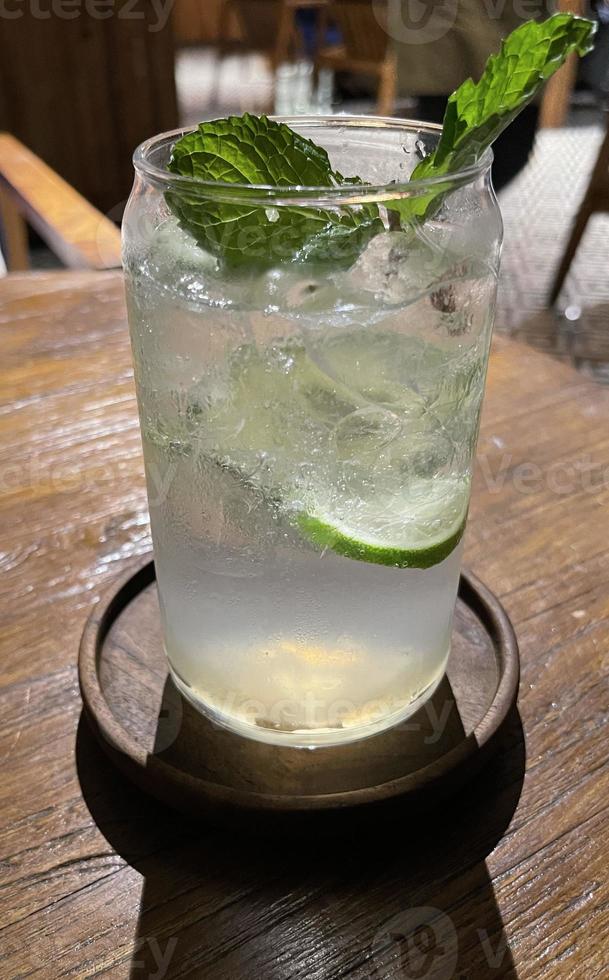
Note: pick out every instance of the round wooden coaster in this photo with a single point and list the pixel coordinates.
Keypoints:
(162, 743)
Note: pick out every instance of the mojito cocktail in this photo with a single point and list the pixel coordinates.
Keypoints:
(309, 423)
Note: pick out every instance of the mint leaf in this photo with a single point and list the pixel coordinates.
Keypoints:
(479, 111)
(248, 149)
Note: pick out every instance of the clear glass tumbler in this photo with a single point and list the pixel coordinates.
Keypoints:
(308, 431)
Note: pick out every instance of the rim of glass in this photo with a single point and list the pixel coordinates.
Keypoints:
(295, 194)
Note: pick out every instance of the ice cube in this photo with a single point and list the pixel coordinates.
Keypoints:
(175, 248)
(397, 267)
(294, 291)
(179, 265)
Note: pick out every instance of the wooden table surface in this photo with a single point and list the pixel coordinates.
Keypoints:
(99, 880)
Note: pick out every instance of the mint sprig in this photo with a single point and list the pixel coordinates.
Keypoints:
(477, 112)
(248, 149)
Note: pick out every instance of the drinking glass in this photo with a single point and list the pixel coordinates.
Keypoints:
(309, 429)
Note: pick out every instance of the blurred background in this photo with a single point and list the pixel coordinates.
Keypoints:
(82, 82)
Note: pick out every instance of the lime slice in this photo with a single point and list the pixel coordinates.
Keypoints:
(414, 531)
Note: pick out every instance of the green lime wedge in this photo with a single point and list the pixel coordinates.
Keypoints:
(326, 536)
(391, 532)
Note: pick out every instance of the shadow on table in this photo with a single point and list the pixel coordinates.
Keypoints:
(390, 899)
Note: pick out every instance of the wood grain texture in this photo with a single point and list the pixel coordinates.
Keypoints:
(98, 880)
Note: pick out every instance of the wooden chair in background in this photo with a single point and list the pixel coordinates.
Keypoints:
(79, 235)
(197, 21)
(558, 91)
(265, 26)
(365, 47)
(596, 199)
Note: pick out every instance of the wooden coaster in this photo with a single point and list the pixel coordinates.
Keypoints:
(163, 744)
